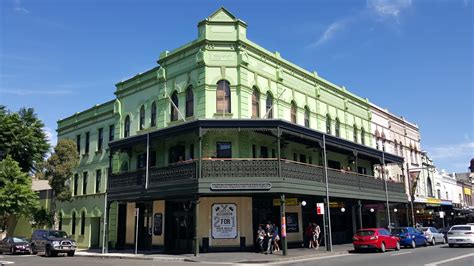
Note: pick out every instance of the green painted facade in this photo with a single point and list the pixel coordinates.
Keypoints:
(221, 51)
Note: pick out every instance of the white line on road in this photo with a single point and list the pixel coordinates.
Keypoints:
(401, 253)
(449, 260)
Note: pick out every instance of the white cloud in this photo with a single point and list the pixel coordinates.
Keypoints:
(19, 8)
(330, 32)
(460, 150)
(51, 136)
(386, 9)
(22, 92)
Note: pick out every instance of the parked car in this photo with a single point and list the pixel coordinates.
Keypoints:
(14, 245)
(375, 238)
(444, 231)
(433, 235)
(52, 242)
(410, 237)
(461, 235)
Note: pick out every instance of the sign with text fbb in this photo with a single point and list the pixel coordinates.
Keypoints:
(320, 208)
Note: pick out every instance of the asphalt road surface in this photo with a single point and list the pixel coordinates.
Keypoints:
(430, 256)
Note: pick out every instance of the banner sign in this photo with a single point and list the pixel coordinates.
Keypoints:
(241, 186)
(157, 224)
(288, 202)
(224, 221)
(292, 225)
(320, 208)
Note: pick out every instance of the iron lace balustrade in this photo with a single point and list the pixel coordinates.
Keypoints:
(177, 171)
(239, 168)
(126, 180)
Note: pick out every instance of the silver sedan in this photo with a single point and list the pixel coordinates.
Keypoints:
(433, 236)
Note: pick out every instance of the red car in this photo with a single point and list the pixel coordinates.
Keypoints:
(375, 238)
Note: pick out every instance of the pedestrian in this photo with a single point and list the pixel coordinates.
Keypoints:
(269, 238)
(260, 238)
(276, 238)
(317, 232)
(309, 234)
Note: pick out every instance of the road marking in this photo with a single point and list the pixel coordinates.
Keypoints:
(309, 259)
(4, 262)
(401, 253)
(449, 260)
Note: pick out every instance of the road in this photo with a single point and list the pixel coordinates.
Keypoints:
(430, 256)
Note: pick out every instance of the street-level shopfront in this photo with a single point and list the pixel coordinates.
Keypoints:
(236, 175)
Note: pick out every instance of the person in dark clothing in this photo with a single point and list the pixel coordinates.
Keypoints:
(269, 232)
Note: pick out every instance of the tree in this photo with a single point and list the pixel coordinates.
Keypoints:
(22, 137)
(16, 195)
(58, 170)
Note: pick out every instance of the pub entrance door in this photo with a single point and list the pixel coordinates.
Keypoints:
(179, 229)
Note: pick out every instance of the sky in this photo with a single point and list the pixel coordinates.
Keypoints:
(413, 57)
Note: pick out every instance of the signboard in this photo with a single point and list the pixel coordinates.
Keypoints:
(467, 191)
(241, 186)
(320, 208)
(157, 224)
(292, 225)
(224, 221)
(288, 202)
(441, 214)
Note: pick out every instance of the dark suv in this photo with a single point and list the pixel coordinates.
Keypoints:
(52, 242)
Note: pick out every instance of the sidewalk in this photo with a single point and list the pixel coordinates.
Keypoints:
(222, 257)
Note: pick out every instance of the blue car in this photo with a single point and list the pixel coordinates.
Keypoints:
(410, 237)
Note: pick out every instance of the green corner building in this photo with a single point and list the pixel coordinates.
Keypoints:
(220, 137)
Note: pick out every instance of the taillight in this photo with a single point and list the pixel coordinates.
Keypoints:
(373, 238)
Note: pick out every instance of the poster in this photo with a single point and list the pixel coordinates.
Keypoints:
(157, 224)
(292, 225)
(224, 221)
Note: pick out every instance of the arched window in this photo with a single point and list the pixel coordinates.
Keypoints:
(293, 112)
(223, 97)
(142, 117)
(268, 105)
(355, 133)
(401, 149)
(328, 124)
(174, 106)
(73, 226)
(430, 188)
(83, 222)
(189, 102)
(395, 147)
(362, 136)
(126, 127)
(306, 116)
(153, 114)
(255, 103)
(338, 127)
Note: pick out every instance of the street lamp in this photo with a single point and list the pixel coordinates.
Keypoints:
(395, 210)
(303, 203)
(343, 209)
(372, 210)
(417, 211)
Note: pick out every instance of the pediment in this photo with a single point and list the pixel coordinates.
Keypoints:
(222, 15)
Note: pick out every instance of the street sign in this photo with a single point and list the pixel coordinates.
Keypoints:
(441, 214)
(320, 208)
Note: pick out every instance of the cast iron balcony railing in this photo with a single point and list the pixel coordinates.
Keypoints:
(176, 171)
(129, 179)
(239, 168)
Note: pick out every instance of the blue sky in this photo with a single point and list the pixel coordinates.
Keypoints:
(414, 57)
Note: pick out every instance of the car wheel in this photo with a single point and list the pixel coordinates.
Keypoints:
(451, 245)
(33, 250)
(70, 254)
(382, 248)
(47, 251)
(426, 243)
(397, 247)
(433, 241)
(413, 244)
(444, 241)
(12, 250)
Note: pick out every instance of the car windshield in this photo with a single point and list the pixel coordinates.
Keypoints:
(461, 228)
(397, 231)
(365, 233)
(57, 234)
(18, 240)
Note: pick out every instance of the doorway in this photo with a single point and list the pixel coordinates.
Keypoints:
(179, 224)
(144, 225)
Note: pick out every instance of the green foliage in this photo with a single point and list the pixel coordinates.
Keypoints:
(22, 137)
(42, 218)
(58, 170)
(16, 196)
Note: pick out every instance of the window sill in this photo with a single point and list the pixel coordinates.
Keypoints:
(223, 115)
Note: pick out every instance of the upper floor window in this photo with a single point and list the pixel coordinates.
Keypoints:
(111, 132)
(223, 97)
(100, 139)
(126, 127)
(430, 187)
(75, 184)
(306, 116)
(362, 136)
(401, 149)
(78, 143)
(395, 147)
(142, 117)
(338, 128)
(223, 150)
(255, 103)
(174, 106)
(153, 114)
(293, 112)
(98, 179)
(189, 102)
(84, 183)
(328, 124)
(87, 142)
(355, 133)
(269, 105)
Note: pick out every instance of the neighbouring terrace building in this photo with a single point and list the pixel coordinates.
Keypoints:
(224, 135)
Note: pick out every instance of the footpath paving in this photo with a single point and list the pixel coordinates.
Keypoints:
(222, 257)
